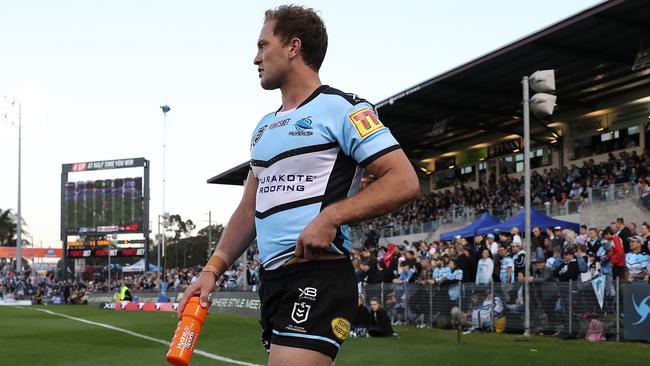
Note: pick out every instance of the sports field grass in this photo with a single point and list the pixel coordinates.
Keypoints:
(32, 337)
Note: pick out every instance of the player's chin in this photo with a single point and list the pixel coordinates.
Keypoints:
(269, 84)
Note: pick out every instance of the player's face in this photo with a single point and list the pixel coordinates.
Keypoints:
(272, 59)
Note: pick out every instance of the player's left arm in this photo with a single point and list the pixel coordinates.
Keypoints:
(396, 184)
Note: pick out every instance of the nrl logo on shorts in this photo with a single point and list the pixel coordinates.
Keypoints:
(300, 312)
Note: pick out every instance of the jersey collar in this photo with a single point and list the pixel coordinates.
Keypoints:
(313, 95)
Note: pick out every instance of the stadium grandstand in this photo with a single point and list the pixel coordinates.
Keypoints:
(462, 129)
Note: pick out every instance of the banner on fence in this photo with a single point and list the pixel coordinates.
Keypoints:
(236, 303)
(636, 323)
(598, 284)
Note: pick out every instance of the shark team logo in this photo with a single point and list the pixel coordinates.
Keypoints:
(643, 309)
(300, 312)
(303, 127)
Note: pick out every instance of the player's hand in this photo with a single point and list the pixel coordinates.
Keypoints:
(203, 286)
(316, 237)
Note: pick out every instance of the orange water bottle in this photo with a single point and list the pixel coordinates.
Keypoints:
(187, 333)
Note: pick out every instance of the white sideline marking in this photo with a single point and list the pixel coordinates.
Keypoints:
(107, 326)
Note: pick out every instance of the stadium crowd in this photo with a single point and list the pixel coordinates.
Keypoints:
(555, 186)
(48, 289)
(558, 255)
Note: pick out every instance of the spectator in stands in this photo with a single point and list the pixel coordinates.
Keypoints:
(426, 273)
(582, 234)
(465, 263)
(557, 240)
(632, 227)
(537, 241)
(507, 266)
(485, 268)
(540, 271)
(406, 274)
(454, 279)
(615, 253)
(594, 269)
(518, 257)
(439, 270)
(568, 270)
(581, 257)
(569, 240)
(491, 244)
(637, 263)
(645, 234)
(624, 233)
(362, 274)
(593, 241)
(379, 321)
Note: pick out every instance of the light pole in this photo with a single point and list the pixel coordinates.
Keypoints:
(19, 221)
(542, 105)
(159, 254)
(165, 108)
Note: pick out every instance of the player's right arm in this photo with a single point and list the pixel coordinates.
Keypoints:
(237, 236)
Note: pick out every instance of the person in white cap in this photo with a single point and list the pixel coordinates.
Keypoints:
(516, 239)
(491, 244)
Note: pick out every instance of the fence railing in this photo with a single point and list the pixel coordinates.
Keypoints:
(555, 307)
(613, 192)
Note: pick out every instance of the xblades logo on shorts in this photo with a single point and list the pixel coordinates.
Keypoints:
(308, 293)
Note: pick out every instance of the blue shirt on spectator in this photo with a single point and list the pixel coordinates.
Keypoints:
(406, 276)
(454, 288)
(445, 272)
(507, 262)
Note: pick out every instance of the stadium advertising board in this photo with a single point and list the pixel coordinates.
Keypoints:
(10, 252)
(12, 302)
(99, 252)
(144, 306)
(636, 323)
(100, 298)
(236, 303)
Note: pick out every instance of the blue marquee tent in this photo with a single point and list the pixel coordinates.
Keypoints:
(470, 230)
(519, 221)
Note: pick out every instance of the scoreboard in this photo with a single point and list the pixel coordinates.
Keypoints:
(103, 206)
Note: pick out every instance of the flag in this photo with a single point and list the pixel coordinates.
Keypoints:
(598, 284)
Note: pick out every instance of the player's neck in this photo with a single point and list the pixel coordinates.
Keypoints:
(298, 88)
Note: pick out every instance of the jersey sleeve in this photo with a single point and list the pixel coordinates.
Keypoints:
(362, 136)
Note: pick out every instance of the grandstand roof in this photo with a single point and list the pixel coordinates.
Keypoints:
(592, 52)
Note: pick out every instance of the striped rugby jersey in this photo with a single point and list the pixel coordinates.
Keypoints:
(307, 159)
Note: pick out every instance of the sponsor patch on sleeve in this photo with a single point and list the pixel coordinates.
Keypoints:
(365, 121)
(341, 328)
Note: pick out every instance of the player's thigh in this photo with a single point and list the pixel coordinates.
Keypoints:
(290, 356)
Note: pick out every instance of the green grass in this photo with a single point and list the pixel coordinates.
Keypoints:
(30, 337)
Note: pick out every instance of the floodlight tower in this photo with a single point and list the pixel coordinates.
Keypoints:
(542, 104)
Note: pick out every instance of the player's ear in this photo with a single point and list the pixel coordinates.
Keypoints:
(296, 45)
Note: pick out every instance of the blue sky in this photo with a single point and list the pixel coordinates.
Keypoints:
(91, 76)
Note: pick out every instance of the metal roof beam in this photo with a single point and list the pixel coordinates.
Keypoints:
(598, 55)
(632, 24)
